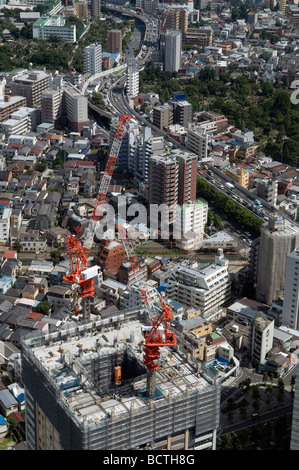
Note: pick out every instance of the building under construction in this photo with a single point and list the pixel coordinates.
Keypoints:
(86, 389)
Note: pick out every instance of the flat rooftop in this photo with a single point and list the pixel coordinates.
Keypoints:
(174, 377)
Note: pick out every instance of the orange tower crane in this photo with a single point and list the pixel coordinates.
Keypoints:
(81, 274)
(158, 334)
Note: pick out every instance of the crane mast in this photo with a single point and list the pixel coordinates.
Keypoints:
(81, 274)
(158, 334)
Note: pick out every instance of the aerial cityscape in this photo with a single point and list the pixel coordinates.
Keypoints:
(149, 227)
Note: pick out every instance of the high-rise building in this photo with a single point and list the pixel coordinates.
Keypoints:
(132, 81)
(76, 108)
(95, 8)
(173, 50)
(114, 41)
(282, 6)
(187, 168)
(87, 390)
(278, 238)
(294, 445)
(163, 115)
(81, 8)
(93, 58)
(191, 219)
(177, 18)
(198, 140)
(30, 84)
(290, 312)
(52, 103)
(138, 164)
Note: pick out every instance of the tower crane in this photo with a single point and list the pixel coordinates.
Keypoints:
(81, 274)
(158, 334)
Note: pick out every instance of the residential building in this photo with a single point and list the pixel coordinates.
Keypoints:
(81, 8)
(173, 50)
(198, 140)
(95, 8)
(163, 116)
(93, 58)
(206, 290)
(163, 189)
(5, 215)
(262, 337)
(290, 312)
(9, 104)
(47, 26)
(114, 41)
(187, 171)
(279, 237)
(190, 224)
(76, 108)
(52, 106)
(111, 255)
(239, 175)
(182, 113)
(200, 37)
(268, 191)
(294, 444)
(30, 84)
(177, 18)
(132, 81)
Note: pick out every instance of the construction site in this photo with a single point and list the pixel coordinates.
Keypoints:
(87, 389)
(118, 383)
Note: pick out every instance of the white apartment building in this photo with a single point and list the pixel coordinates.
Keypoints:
(262, 337)
(21, 121)
(48, 26)
(138, 163)
(93, 58)
(290, 312)
(205, 290)
(5, 224)
(198, 140)
(173, 50)
(132, 81)
(76, 108)
(190, 224)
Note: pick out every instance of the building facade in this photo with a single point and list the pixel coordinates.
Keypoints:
(173, 50)
(93, 58)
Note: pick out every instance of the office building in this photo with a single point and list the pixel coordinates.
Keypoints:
(239, 175)
(173, 50)
(93, 59)
(73, 401)
(278, 239)
(114, 41)
(198, 140)
(48, 26)
(290, 312)
(262, 338)
(182, 112)
(31, 85)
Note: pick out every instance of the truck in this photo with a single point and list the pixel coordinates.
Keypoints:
(229, 186)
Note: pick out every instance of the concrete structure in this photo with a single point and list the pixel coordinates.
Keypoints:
(163, 116)
(278, 238)
(9, 104)
(205, 289)
(132, 81)
(290, 313)
(262, 337)
(30, 84)
(93, 58)
(5, 215)
(173, 50)
(268, 190)
(95, 8)
(198, 140)
(76, 108)
(294, 445)
(81, 9)
(47, 26)
(177, 18)
(239, 175)
(72, 402)
(190, 224)
(22, 121)
(114, 41)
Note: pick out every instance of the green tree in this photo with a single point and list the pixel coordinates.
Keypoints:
(44, 307)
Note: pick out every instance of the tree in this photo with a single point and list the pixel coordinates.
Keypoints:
(44, 307)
